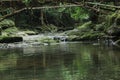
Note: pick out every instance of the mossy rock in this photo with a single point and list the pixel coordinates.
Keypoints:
(47, 40)
(92, 35)
(10, 31)
(49, 28)
(30, 32)
(85, 27)
(7, 23)
(73, 38)
(10, 39)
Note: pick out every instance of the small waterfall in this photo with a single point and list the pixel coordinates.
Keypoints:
(61, 38)
(109, 42)
(33, 40)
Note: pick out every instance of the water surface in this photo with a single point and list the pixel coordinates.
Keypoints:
(65, 61)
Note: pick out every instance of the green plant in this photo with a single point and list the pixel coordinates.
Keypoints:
(26, 2)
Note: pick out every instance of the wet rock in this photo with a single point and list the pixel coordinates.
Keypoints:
(114, 31)
(30, 32)
(10, 39)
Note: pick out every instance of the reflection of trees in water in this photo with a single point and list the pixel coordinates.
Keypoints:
(94, 62)
(65, 62)
(103, 65)
(95, 59)
(38, 64)
(8, 58)
(8, 61)
(41, 60)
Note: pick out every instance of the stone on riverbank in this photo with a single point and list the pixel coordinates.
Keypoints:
(10, 39)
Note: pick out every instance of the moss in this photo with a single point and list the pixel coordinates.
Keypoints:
(7, 23)
(49, 28)
(100, 27)
(84, 31)
(10, 31)
(92, 35)
(72, 32)
(72, 37)
(85, 26)
(47, 40)
(30, 32)
(7, 27)
(87, 31)
(84, 35)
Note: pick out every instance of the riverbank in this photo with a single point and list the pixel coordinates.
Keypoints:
(49, 33)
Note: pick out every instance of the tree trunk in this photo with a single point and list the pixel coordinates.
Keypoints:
(42, 17)
(0, 31)
(116, 2)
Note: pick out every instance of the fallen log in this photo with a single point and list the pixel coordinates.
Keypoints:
(11, 14)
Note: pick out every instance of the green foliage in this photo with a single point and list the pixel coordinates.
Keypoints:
(112, 18)
(26, 2)
(49, 28)
(41, 1)
(91, 35)
(65, 16)
(100, 27)
(113, 24)
(78, 13)
(87, 31)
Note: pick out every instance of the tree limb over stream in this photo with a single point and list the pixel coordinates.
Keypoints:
(86, 5)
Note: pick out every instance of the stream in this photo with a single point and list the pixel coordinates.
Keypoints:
(65, 61)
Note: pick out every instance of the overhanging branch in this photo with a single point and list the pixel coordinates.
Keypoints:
(35, 8)
(104, 5)
(86, 5)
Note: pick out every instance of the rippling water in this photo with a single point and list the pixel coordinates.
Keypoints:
(67, 61)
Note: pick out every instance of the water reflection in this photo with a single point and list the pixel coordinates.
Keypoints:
(70, 61)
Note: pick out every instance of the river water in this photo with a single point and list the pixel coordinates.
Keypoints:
(65, 61)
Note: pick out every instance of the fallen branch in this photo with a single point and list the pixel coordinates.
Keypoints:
(29, 8)
(92, 8)
(104, 5)
(62, 6)
(11, 14)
